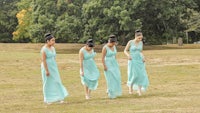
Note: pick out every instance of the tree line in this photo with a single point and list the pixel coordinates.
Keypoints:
(72, 21)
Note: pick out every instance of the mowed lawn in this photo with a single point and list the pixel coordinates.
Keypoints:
(174, 76)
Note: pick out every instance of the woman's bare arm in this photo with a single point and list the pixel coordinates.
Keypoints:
(81, 62)
(45, 63)
(103, 58)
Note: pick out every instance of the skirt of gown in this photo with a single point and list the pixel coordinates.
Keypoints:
(53, 89)
(113, 78)
(137, 75)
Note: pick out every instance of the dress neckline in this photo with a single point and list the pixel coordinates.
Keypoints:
(49, 49)
(87, 51)
(111, 49)
(136, 45)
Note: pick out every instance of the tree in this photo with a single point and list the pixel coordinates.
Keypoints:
(8, 21)
(103, 18)
(78, 20)
(61, 18)
(69, 24)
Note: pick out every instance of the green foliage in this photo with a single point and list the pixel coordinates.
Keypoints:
(61, 18)
(110, 17)
(78, 20)
(8, 21)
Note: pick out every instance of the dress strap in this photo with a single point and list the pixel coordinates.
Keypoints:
(115, 49)
(106, 47)
(82, 50)
(44, 49)
(131, 42)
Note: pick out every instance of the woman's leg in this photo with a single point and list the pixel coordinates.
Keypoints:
(139, 90)
(130, 89)
(86, 92)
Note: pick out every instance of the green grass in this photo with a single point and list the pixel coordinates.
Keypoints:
(173, 74)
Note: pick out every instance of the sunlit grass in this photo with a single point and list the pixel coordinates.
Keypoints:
(173, 74)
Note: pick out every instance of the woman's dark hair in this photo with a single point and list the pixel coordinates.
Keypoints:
(112, 38)
(90, 43)
(48, 36)
(138, 32)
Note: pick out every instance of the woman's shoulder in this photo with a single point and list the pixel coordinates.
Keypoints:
(53, 47)
(93, 50)
(82, 49)
(130, 42)
(43, 49)
(105, 47)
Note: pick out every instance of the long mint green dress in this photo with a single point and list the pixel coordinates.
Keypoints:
(112, 75)
(137, 75)
(53, 89)
(91, 72)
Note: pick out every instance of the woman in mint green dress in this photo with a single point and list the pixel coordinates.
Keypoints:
(137, 75)
(88, 69)
(111, 68)
(53, 89)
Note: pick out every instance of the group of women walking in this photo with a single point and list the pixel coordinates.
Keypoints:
(54, 91)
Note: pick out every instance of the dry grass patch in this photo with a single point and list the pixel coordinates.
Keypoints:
(173, 73)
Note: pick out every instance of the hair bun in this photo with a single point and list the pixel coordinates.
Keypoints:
(112, 36)
(138, 31)
(90, 41)
(47, 34)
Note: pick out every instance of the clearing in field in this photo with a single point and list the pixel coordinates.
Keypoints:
(173, 73)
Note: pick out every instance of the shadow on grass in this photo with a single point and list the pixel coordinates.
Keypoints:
(106, 100)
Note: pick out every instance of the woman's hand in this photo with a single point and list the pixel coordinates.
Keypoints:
(129, 57)
(144, 60)
(105, 68)
(47, 73)
(82, 73)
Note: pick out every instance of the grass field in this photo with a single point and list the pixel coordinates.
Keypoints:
(174, 74)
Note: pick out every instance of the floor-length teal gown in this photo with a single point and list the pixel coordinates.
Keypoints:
(112, 75)
(53, 89)
(91, 72)
(137, 75)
